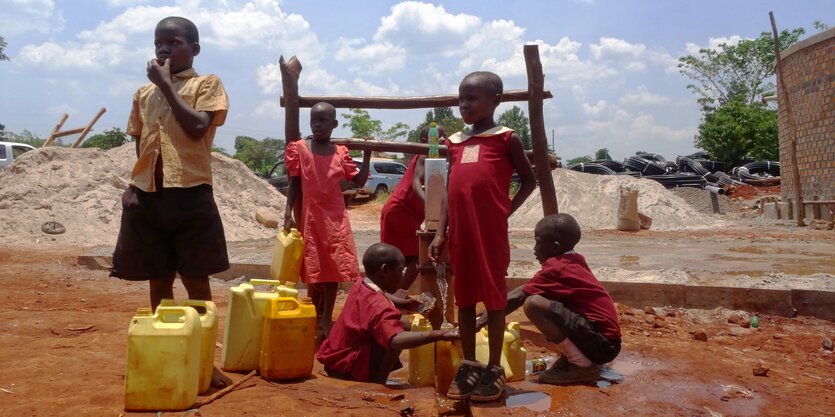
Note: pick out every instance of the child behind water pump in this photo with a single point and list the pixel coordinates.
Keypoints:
(481, 162)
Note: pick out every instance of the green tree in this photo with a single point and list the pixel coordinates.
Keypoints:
(515, 119)
(602, 153)
(820, 26)
(108, 139)
(258, 155)
(361, 124)
(442, 116)
(29, 138)
(736, 130)
(399, 129)
(3, 44)
(743, 71)
(579, 159)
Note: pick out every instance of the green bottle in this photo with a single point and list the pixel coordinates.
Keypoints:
(433, 141)
(755, 321)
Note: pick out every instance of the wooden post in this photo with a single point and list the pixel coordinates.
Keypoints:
(783, 93)
(55, 131)
(88, 128)
(290, 99)
(536, 84)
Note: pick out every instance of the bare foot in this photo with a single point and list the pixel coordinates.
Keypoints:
(219, 379)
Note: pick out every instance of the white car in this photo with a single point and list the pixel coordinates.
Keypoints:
(383, 176)
(9, 151)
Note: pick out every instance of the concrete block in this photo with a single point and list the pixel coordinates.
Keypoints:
(642, 294)
(810, 210)
(786, 212)
(815, 303)
(771, 211)
(771, 301)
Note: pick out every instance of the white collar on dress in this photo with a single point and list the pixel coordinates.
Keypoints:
(459, 137)
(371, 284)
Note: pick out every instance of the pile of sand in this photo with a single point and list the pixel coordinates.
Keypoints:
(82, 189)
(593, 201)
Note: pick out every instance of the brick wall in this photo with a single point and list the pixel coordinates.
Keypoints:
(809, 76)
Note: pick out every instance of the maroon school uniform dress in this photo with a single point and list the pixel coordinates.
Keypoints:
(479, 203)
(368, 318)
(402, 215)
(567, 278)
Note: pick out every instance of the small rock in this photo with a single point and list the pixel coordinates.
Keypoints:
(649, 320)
(645, 333)
(650, 311)
(827, 343)
(266, 217)
(778, 336)
(656, 325)
(670, 313)
(760, 370)
(700, 335)
(745, 323)
(628, 312)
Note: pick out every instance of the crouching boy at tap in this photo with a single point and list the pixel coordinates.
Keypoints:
(568, 305)
(366, 340)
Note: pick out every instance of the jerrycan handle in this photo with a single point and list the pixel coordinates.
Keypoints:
(172, 314)
(271, 282)
(292, 232)
(205, 304)
(285, 304)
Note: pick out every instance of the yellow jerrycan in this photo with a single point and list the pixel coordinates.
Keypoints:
(208, 338)
(513, 354)
(447, 358)
(287, 341)
(245, 312)
(163, 364)
(422, 358)
(287, 256)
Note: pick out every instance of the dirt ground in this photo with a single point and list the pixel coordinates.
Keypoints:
(63, 334)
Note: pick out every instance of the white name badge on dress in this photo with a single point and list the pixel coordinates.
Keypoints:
(470, 154)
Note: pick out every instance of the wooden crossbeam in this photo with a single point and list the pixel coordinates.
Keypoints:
(400, 103)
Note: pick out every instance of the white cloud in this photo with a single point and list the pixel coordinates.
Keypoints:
(594, 109)
(20, 16)
(365, 88)
(425, 28)
(126, 3)
(642, 97)
(374, 58)
(560, 62)
(614, 48)
(713, 43)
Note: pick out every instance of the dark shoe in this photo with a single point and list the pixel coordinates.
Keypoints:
(468, 375)
(565, 373)
(491, 385)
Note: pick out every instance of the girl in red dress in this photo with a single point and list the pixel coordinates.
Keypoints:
(315, 167)
(478, 205)
(403, 212)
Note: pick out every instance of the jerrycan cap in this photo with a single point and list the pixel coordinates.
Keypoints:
(423, 322)
(144, 311)
(306, 300)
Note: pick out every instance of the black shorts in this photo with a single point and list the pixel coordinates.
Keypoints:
(584, 333)
(171, 230)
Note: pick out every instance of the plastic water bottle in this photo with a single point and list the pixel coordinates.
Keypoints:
(755, 321)
(434, 137)
(538, 365)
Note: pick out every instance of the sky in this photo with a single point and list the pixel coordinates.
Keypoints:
(611, 65)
